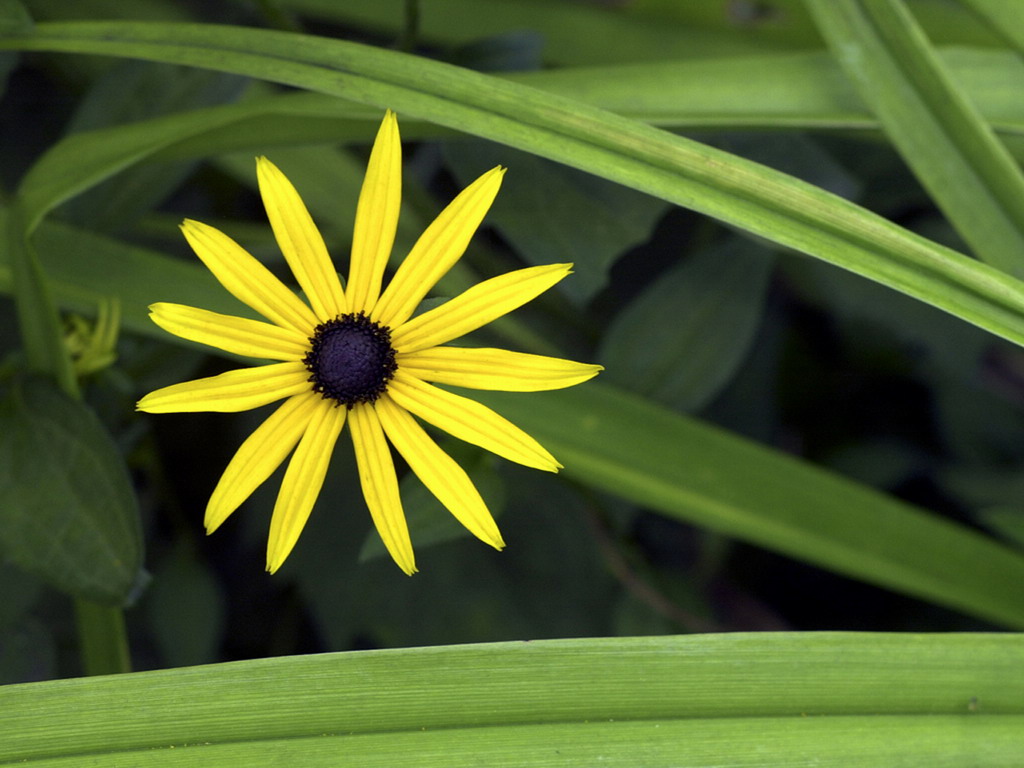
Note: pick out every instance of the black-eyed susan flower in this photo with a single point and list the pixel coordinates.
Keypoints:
(356, 353)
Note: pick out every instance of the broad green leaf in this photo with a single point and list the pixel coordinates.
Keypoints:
(696, 472)
(8, 61)
(69, 512)
(149, 10)
(935, 126)
(84, 267)
(804, 89)
(19, 591)
(28, 652)
(465, 591)
(552, 214)
(740, 193)
(186, 610)
(130, 92)
(1006, 521)
(81, 161)
(829, 699)
(13, 16)
(1005, 19)
(790, 22)
(683, 338)
(572, 33)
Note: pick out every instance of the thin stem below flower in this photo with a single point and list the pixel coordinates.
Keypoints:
(102, 637)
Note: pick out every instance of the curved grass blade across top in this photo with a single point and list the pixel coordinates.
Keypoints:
(799, 90)
(741, 193)
(937, 129)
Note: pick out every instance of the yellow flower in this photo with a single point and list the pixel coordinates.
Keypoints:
(361, 348)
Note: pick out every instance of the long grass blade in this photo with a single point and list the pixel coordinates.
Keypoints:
(755, 700)
(741, 193)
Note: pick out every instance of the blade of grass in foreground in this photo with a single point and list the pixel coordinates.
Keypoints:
(937, 129)
(743, 194)
(831, 699)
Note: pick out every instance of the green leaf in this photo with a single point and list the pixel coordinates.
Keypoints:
(619, 443)
(800, 89)
(84, 267)
(552, 214)
(831, 699)
(572, 33)
(1007, 521)
(738, 192)
(38, 323)
(28, 652)
(1003, 18)
(14, 17)
(131, 92)
(681, 340)
(186, 610)
(81, 161)
(936, 128)
(68, 510)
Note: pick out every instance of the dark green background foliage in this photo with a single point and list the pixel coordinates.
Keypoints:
(874, 420)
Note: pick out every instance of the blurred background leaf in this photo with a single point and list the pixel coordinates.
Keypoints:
(680, 341)
(69, 513)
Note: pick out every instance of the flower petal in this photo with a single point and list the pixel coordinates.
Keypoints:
(495, 369)
(380, 486)
(247, 279)
(302, 481)
(376, 218)
(260, 454)
(470, 421)
(439, 247)
(237, 390)
(300, 242)
(438, 471)
(232, 334)
(476, 306)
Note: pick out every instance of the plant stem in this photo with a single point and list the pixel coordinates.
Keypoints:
(102, 637)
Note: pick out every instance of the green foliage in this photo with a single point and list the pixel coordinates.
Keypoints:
(713, 302)
(651, 456)
(696, 176)
(541, 202)
(837, 699)
(775, 444)
(69, 513)
(936, 128)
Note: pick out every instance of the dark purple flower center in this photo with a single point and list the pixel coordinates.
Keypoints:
(351, 359)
